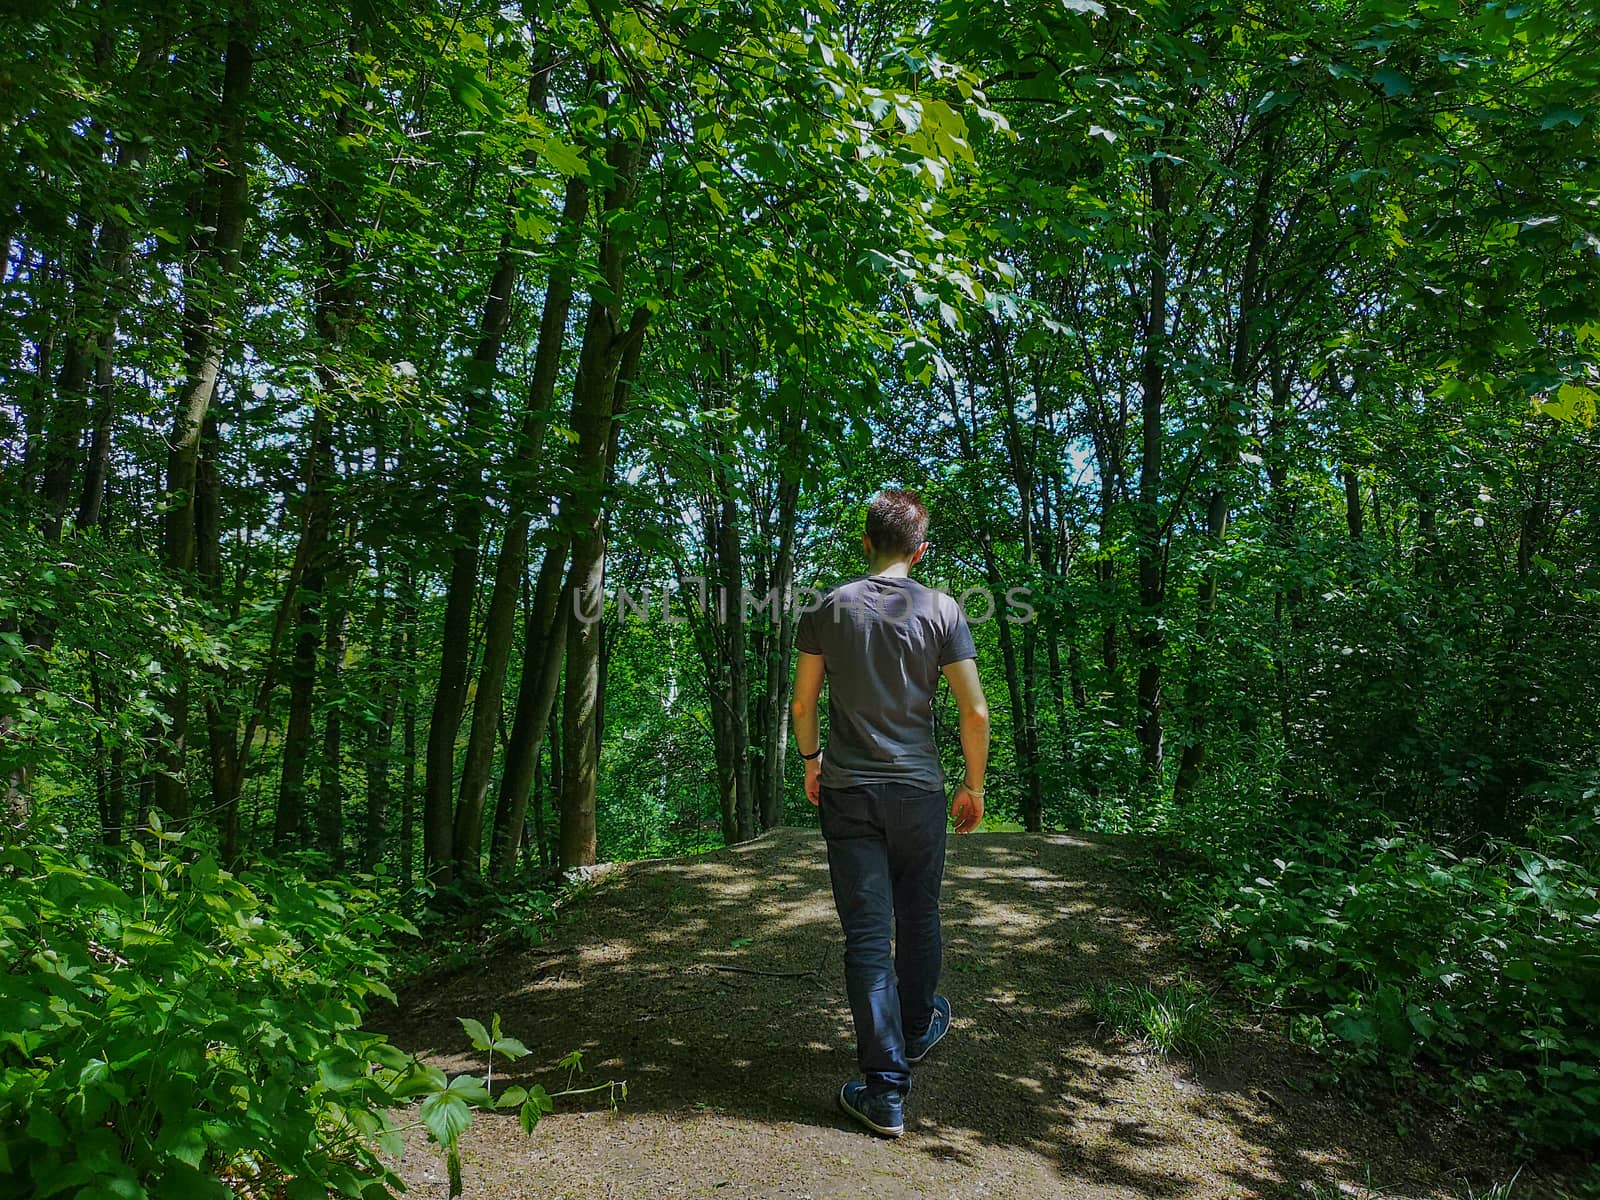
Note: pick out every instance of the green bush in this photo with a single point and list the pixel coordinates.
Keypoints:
(188, 1033)
(1483, 968)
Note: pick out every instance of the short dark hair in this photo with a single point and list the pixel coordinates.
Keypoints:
(897, 522)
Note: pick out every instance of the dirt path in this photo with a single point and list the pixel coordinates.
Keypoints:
(732, 1076)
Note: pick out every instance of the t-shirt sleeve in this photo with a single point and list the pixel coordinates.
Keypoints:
(958, 642)
(805, 634)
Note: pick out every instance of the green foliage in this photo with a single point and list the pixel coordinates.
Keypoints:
(1473, 972)
(175, 1030)
(1178, 1018)
(120, 623)
(1261, 341)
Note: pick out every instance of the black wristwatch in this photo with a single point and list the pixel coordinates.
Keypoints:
(812, 757)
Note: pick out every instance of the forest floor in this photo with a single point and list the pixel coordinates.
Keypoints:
(713, 986)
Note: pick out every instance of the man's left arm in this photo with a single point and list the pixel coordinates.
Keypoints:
(809, 670)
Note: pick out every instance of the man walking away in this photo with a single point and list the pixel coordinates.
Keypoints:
(881, 642)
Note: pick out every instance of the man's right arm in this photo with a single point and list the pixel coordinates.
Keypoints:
(809, 672)
(966, 806)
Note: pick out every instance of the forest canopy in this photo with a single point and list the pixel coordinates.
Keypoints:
(342, 348)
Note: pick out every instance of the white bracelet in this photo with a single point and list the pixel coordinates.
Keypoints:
(978, 792)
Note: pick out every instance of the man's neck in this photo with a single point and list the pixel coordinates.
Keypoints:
(891, 568)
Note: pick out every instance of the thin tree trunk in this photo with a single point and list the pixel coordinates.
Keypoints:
(222, 717)
(380, 729)
(544, 639)
(97, 469)
(210, 296)
(1025, 706)
(730, 612)
(289, 827)
(333, 308)
(553, 737)
(1026, 748)
(330, 777)
(466, 534)
(776, 729)
(541, 835)
(605, 341)
(1225, 439)
(1151, 560)
(500, 622)
(408, 749)
(1350, 478)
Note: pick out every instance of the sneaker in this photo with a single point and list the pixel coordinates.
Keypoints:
(884, 1115)
(917, 1048)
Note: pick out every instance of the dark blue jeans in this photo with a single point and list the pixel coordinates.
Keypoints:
(886, 859)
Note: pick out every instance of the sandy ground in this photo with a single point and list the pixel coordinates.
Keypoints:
(732, 1073)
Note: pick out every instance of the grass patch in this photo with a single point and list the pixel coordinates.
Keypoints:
(1177, 1019)
(1371, 1191)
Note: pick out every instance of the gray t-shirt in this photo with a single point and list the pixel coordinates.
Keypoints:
(883, 641)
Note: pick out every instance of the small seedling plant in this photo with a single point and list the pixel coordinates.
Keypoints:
(448, 1112)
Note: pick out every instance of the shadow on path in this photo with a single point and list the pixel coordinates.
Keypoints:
(714, 986)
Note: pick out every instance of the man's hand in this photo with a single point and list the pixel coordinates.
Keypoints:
(966, 809)
(814, 781)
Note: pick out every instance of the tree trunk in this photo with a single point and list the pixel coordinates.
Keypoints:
(1225, 439)
(543, 641)
(330, 777)
(605, 341)
(1025, 747)
(379, 749)
(780, 643)
(1025, 693)
(408, 755)
(289, 827)
(500, 622)
(466, 535)
(222, 716)
(210, 295)
(1148, 524)
(1350, 478)
(730, 614)
(97, 469)
(209, 300)
(604, 344)
(541, 835)
(554, 739)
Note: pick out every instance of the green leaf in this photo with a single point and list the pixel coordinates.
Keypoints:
(476, 1032)
(510, 1048)
(471, 1089)
(1574, 404)
(564, 157)
(1392, 82)
(1561, 116)
(1422, 1020)
(541, 1098)
(445, 1114)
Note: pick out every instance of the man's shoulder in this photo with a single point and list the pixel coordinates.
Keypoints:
(936, 600)
(841, 592)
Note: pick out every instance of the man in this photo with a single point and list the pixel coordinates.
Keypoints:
(881, 643)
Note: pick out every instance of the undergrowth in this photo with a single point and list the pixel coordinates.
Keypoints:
(171, 1029)
(1475, 975)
